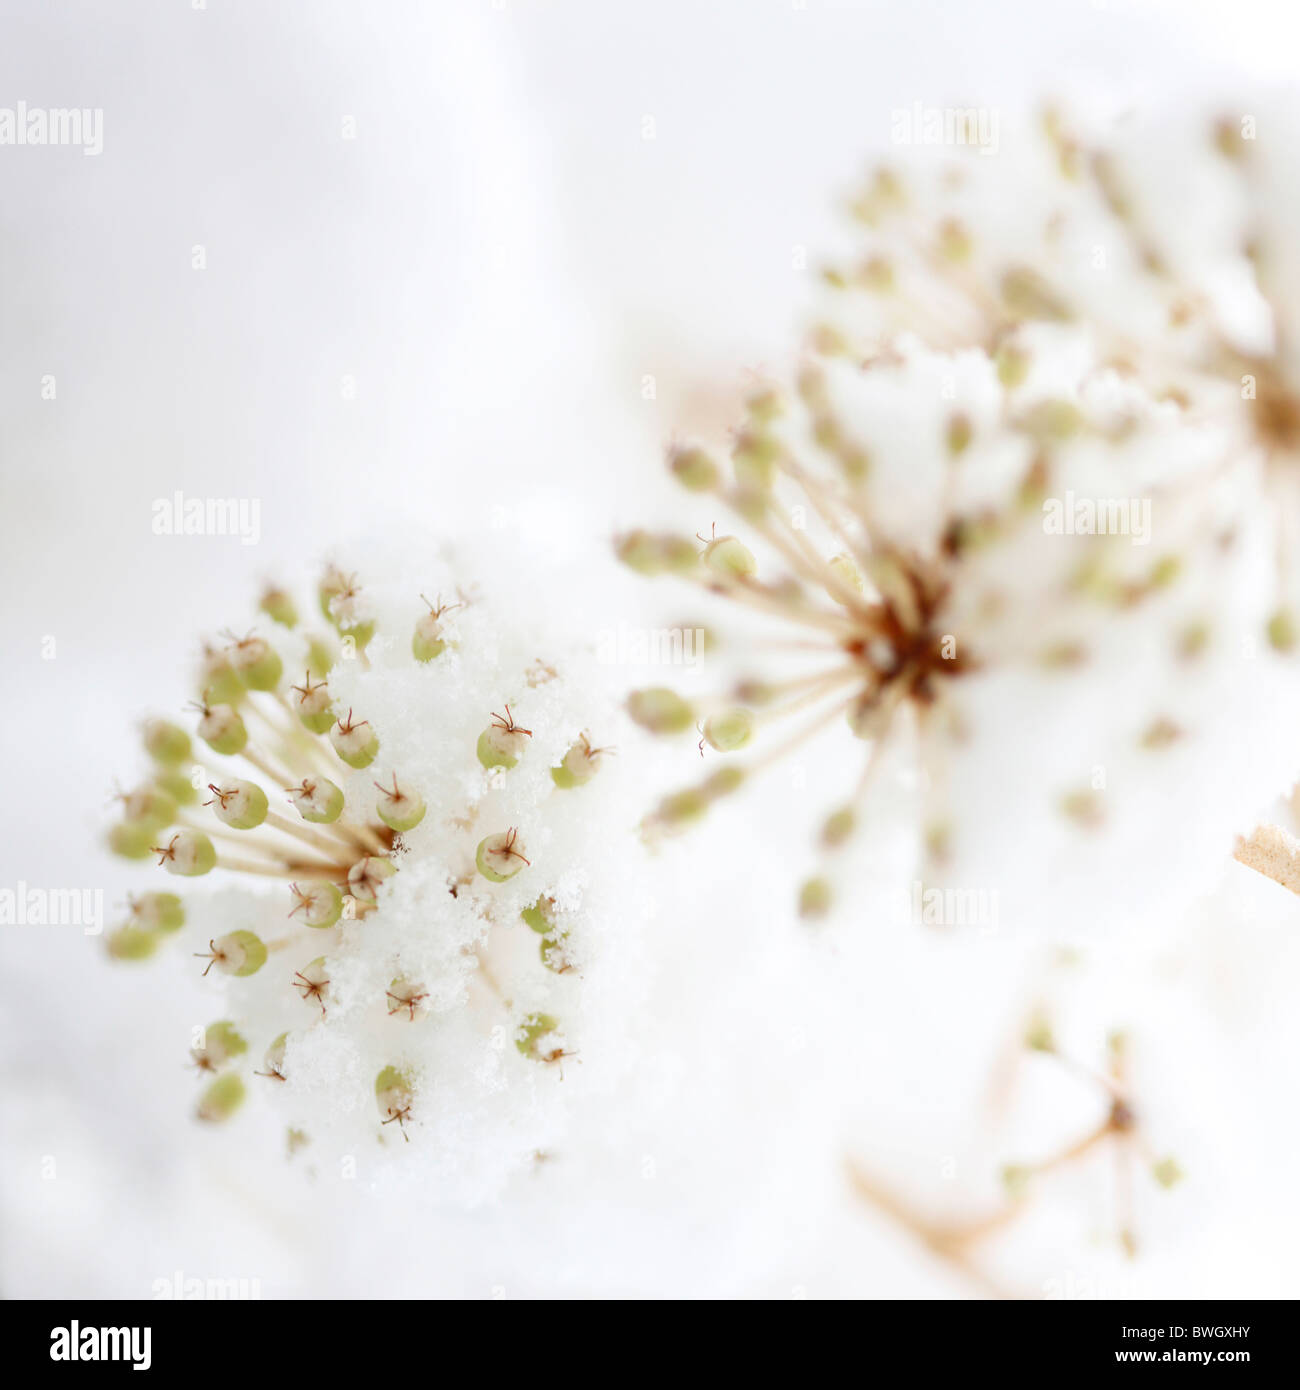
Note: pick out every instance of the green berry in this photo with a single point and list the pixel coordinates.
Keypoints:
(312, 704)
(500, 857)
(355, 742)
(237, 953)
(1167, 1172)
(321, 904)
(163, 912)
(656, 554)
(503, 742)
(578, 766)
(131, 943)
(838, 827)
(188, 853)
(317, 800)
(279, 606)
(240, 805)
(222, 1043)
(165, 742)
(399, 810)
(1282, 630)
(256, 663)
(730, 730)
(681, 808)
(221, 1099)
(660, 710)
(221, 728)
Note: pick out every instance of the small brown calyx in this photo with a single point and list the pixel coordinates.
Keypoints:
(213, 955)
(508, 848)
(311, 989)
(506, 723)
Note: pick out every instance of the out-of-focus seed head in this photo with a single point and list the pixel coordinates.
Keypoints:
(222, 1043)
(131, 943)
(730, 558)
(222, 729)
(237, 953)
(278, 605)
(256, 662)
(694, 469)
(730, 730)
(162, 912)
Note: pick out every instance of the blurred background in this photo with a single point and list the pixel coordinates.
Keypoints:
(469, 264)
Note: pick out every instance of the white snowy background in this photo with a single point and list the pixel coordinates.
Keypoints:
(499, 260)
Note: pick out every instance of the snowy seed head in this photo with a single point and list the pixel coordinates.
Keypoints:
(370, 909)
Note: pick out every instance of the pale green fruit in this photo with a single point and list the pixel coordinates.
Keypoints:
(730, 730)
(256, 663)
(321, 904)
(131, 840)
(651, 554)
(131, 943)
(221, 1099)
(500, 857)
(176, 785)
(1167, 1172)
(222, 1043)
(394, 1095)
(279, 607)
(503, 742)
(162, 912)
(399, 810)
(166, 742)
(240, 805)
(221, 728)
(723, 782)
(313, 982)
(318, 800)
(531, 1031)
(405, 996)
(660, 710)
(188, 853)
(578, 766)
(236, 953)
(694, 469)
(541, 915)
(356, 743)
(730, 558)
(312, 704)
(366, 876)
